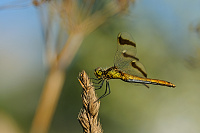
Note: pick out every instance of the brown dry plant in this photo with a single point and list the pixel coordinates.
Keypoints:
(79, 20)
(88, 115)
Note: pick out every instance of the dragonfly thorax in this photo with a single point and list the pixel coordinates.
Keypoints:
(98, 72)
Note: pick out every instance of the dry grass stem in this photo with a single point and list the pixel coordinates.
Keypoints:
(48, 101)
(88, 115)
(79, 20)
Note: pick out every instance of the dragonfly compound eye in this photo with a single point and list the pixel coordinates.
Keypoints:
(98, 72)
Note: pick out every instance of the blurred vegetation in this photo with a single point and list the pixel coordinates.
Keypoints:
(167, 53)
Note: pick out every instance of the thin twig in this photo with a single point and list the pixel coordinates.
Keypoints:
(88, 115)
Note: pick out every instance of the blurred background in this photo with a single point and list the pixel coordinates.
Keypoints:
(167, 34)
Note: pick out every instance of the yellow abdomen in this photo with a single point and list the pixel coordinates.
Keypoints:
(113, 73)
(135, 79)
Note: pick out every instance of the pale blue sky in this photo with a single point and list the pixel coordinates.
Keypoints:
(21, 44)
(171, 19)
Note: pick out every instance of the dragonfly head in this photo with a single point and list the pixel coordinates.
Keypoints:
(98, 72)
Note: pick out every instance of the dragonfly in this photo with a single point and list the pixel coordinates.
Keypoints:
(127, 67)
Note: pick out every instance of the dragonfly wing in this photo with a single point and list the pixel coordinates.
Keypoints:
(125, 57)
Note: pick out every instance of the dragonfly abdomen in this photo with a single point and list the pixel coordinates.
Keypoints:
(141, 80)
(160, 82)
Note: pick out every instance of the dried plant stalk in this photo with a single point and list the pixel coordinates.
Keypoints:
(50, 96)
(79, 21)
(88, 115)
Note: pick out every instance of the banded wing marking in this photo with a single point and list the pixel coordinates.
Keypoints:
(125, 57)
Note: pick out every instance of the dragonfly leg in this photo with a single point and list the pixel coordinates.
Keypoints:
(107, 89)
(99, 87)
(96, 79)
(107, 86)
(99, 81)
